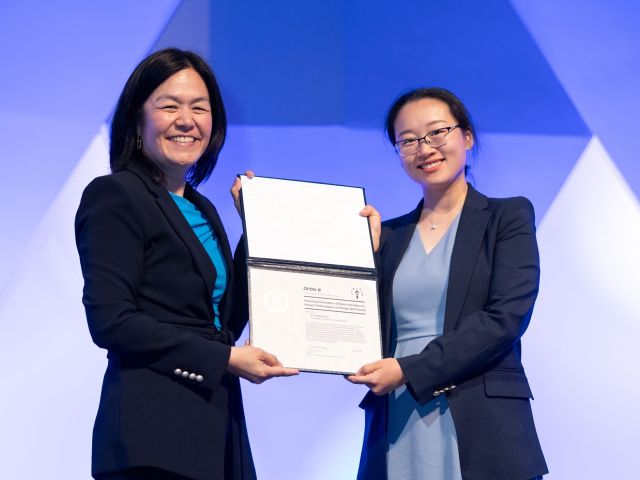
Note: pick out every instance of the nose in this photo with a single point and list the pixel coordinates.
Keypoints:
(423, 142)
(184, 121)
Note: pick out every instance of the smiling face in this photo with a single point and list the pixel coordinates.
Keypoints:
(176, 123)
(439, 167)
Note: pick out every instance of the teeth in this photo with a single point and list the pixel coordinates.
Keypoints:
(182, 139)
(430, 164)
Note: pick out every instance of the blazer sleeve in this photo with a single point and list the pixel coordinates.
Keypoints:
(486, 334)
(111, 244)
(240, 315)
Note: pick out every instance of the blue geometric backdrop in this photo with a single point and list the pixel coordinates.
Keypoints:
(551, 85)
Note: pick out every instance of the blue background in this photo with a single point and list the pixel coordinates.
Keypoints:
(552, 87)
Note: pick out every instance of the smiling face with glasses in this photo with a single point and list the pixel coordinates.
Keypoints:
(434, 138)
(431, 143)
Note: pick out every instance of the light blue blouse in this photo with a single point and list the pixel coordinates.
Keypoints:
(422, 438)
(204, 231)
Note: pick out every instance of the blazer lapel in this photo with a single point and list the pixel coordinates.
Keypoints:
(210, 213)
(398, 241)
(471, 229)
(180, 226)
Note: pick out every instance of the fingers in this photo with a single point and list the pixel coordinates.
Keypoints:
(381, 377)
(362, 376)
(235, 193)
(358, 379)
(369, 368)
(270, 359)
(375, 224)
(368, 211)
(267, 372)
(256, 365)
(237, 186)
(282, 372)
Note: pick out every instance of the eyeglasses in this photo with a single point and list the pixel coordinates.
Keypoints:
(435, 138)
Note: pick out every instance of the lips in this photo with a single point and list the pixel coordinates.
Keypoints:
(430, 166)
(183, 139)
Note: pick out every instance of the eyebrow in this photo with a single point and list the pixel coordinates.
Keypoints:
(428, 124)
(178, 100)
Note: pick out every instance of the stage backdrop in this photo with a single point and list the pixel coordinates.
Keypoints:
(551, 85)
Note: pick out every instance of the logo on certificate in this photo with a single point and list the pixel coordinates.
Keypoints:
(357, 292)
(276, 301)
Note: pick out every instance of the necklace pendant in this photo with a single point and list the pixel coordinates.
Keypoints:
(433, 226)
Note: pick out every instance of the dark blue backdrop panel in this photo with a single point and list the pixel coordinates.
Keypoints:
(279, 62)
(343, 62)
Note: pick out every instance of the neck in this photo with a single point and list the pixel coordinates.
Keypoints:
(174, 183)
(445, 199)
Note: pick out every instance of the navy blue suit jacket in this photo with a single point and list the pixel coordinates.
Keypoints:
(147, 295)
(493, 284)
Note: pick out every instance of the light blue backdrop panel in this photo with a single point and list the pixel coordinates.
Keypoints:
(62, 72)
(594, 48)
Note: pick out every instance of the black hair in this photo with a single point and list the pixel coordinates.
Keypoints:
(457, 108)
(147, 76)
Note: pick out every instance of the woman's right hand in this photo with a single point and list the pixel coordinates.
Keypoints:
(256, 365)
(375, 224)
(235, 189)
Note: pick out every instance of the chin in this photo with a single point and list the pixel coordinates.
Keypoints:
(185, 162)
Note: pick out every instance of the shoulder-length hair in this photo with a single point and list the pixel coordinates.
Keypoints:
(147, 76)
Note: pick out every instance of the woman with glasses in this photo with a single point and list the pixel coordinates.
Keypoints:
(458, 281)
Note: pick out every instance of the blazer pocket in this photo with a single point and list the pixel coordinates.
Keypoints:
(507, 383)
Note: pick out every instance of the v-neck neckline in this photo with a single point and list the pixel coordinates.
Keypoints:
(442, 238)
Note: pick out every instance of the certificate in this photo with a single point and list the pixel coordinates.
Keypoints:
(313, 299)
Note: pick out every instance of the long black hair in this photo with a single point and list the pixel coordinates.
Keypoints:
(147, 76)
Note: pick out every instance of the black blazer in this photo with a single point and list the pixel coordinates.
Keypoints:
(147, 295)
(493, 284)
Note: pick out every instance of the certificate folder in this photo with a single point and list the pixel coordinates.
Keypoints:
(313, 291)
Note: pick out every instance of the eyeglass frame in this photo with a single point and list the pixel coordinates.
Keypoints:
(426, 140)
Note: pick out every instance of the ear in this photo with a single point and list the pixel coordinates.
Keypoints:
(468, 139)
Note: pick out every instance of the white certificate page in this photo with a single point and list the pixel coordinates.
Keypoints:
(305, 222)
(314, 322)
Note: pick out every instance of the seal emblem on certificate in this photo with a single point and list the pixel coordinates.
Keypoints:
(313, 286)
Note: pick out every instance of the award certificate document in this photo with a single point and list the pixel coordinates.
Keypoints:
(313, 299)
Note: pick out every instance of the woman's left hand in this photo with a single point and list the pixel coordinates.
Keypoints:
(235, 189)
(381, 377)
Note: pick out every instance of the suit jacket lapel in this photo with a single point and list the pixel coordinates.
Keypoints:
(209, 211)
(471, 229)
(180, 225)
(211, 214)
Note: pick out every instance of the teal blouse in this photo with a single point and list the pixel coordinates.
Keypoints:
(203, 230)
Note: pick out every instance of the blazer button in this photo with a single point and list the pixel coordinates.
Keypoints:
(177, 371)
(185, 374)
(199, 378)
(192, 376)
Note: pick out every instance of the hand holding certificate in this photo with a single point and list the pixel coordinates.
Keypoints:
(312, 281)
